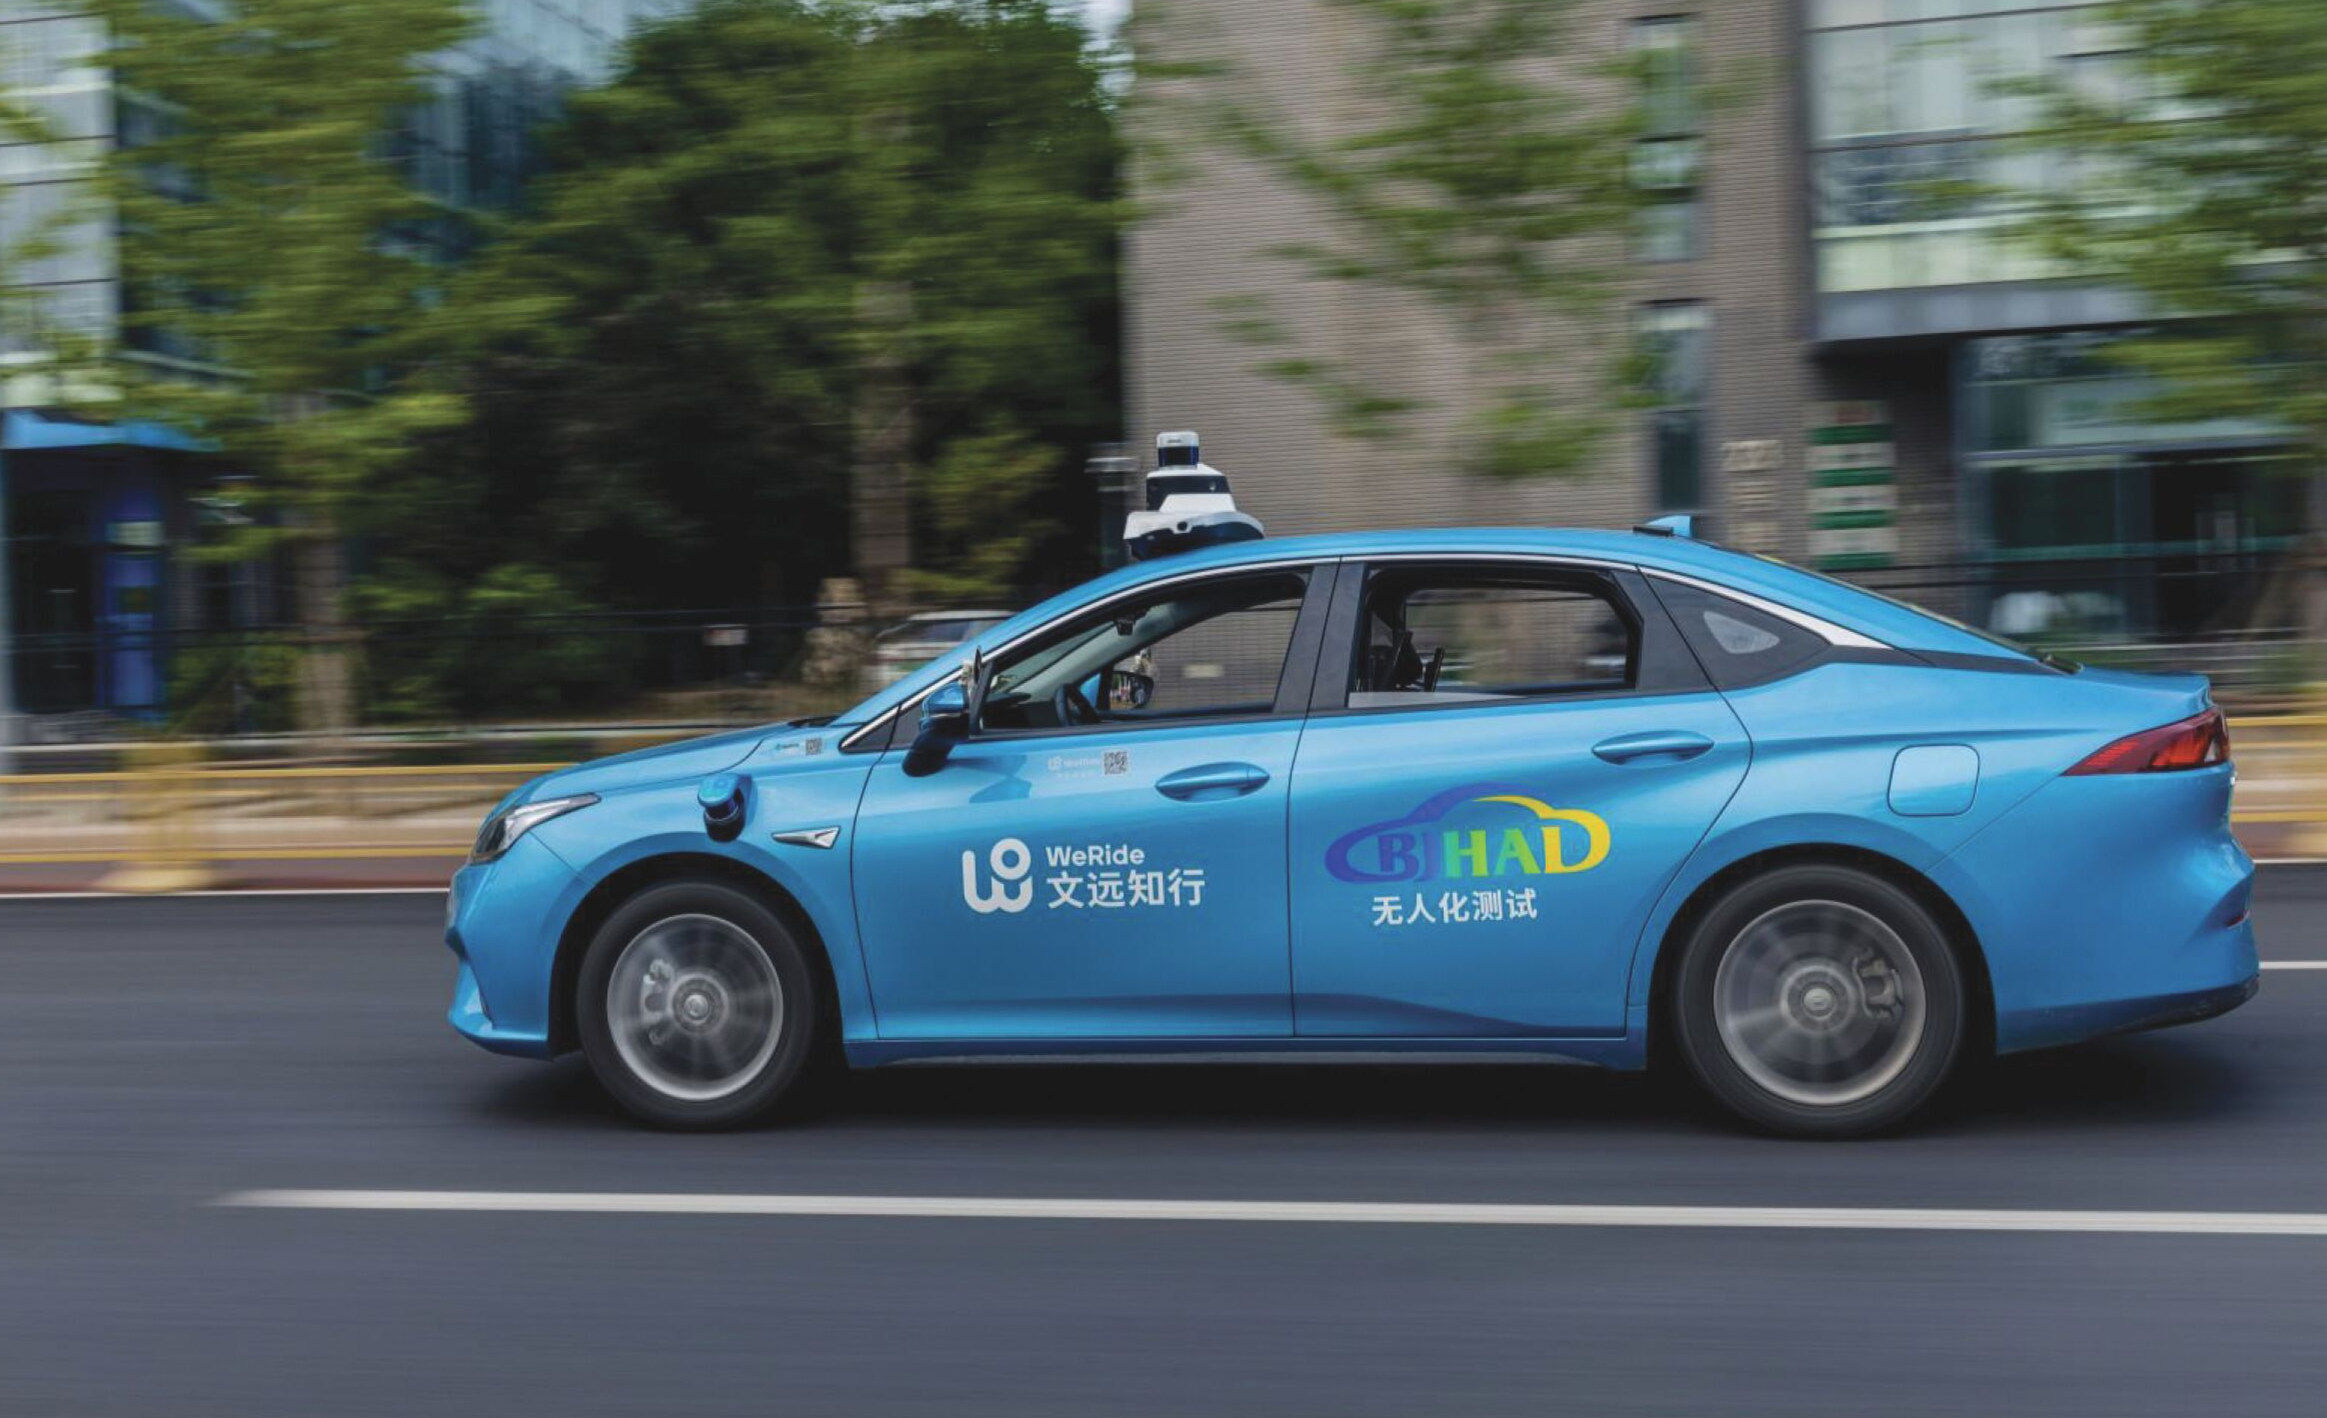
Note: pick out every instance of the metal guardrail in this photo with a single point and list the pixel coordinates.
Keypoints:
(2282, 769)
(166, 824)
(163, 825)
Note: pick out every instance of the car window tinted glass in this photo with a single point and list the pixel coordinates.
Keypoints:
(1737, 644)
(1196, 650)
(1464, 633)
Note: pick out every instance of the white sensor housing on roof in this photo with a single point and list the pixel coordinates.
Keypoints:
(1189, 504)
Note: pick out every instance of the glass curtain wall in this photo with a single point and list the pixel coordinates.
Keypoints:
(2099, 523)
(1907, 101)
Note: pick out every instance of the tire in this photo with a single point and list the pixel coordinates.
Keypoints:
(1819, 1001)
(697, 1007)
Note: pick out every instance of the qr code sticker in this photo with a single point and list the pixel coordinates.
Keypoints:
(1116, 760)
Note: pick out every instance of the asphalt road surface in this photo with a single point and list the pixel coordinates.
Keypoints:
(156, 1056)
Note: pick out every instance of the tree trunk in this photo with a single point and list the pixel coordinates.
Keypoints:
(326, 670)
(880, 488)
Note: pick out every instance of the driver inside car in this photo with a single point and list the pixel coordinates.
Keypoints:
(1108, 670)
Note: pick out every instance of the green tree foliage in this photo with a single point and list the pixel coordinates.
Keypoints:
(268, 261)
(666, 357)
(2189, 171)
(1492, 181)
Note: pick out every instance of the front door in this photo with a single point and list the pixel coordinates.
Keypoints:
(1506, 769)
(1104, 857)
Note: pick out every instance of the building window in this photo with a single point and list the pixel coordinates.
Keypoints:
(2098, 519)
(1668, 156)
(1909, 101)
(1675, 341)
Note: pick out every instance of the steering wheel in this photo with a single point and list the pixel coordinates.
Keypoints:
(1430, 670)
(1071, 707)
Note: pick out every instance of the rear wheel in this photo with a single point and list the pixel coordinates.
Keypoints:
(1819, 1001)
(697, 1006)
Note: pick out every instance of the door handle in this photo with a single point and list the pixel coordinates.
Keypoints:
(1209, 781)
(1676, 744)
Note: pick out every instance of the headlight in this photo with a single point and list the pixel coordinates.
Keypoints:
(503, 828)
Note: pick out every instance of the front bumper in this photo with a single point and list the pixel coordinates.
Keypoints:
(474, 1022)
(503, 924)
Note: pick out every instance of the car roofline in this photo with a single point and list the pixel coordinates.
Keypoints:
(1793, 591)
(1308, 551)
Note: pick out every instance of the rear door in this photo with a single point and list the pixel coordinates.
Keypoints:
(1506, 763)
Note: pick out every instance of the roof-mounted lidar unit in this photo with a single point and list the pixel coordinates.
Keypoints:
(1189, 504)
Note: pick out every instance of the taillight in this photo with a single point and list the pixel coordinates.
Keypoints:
(2200, 741)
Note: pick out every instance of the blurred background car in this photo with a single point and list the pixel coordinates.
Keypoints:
(918, 639)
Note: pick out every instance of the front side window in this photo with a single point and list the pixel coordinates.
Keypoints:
(1455, 634)
(1202, 650)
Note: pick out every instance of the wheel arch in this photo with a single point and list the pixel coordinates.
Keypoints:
(1953, 924)
(627, 881)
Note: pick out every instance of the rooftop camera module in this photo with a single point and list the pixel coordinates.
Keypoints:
(1189, 504)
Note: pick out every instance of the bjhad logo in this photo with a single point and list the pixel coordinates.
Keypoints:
(1542, 841)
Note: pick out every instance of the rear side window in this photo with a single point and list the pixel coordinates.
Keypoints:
(1737, 645)
(1456, 634)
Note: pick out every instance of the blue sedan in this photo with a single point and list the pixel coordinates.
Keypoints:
(1596, 797)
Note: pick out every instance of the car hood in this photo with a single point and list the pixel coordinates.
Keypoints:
(664, 763)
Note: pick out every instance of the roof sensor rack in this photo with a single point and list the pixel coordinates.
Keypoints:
(1687, 525)
(1189, 504)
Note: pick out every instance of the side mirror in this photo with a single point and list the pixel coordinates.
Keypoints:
(946, 717)
(1129, 689)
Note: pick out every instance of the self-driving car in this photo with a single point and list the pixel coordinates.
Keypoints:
(1595, 797)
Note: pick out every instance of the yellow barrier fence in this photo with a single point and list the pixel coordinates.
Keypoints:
(2282, 771)
(164, 824)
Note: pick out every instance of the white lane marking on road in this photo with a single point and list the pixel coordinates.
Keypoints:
(1004, 1208)
(2294, 964)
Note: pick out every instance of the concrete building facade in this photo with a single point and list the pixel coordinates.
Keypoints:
(1859, 374)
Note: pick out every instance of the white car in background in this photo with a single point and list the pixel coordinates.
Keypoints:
(918, 639)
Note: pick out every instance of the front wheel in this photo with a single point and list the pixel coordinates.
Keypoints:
(696, 1006)
(1819, 1001)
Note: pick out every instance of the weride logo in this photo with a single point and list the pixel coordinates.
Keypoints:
(1093, 876)
(1505, 833)
(1013, 888)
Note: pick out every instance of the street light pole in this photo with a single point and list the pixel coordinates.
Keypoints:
(1112, 473)
(7, 638)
